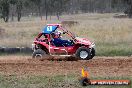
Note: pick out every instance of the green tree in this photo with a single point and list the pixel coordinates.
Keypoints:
(38, 5)
(19, 6)
(128, 11)
(58, 6)
(4, 7)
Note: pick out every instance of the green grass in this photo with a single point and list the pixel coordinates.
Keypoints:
(107, 49)
(58, 81)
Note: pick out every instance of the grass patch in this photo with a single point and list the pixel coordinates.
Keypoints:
(107, 49)
(58, 81)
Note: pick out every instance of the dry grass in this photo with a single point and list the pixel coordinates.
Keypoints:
(20, 34)
(108, 33)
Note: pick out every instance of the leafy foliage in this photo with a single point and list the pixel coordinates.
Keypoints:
(58, 7)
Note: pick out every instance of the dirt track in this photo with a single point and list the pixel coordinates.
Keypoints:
(99, 66)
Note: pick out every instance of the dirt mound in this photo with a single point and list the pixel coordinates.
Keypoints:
(99, 66)
(69, 23)
(57, 58)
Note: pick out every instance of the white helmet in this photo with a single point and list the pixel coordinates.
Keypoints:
(57, 34)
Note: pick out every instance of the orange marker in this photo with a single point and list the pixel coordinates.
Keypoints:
(86, 81)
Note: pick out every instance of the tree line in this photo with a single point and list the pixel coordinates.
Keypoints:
(19, 8)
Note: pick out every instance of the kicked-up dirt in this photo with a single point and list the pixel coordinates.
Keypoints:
(98, 66)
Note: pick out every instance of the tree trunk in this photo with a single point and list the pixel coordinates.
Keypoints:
(46, 11)
(39, 9)
(19, 11)
(6, 18)
(58, 17)
(19, 17)
(12, 17)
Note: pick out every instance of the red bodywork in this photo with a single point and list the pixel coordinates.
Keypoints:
(46, 44)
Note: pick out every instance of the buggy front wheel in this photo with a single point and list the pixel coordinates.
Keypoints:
(83, 53)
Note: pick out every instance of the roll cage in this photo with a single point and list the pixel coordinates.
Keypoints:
(50, 28)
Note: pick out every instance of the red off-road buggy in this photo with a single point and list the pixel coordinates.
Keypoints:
(43, 44)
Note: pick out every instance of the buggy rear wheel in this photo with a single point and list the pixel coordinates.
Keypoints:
(39, 53)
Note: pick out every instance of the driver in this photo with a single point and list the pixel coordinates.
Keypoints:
(60, 42)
